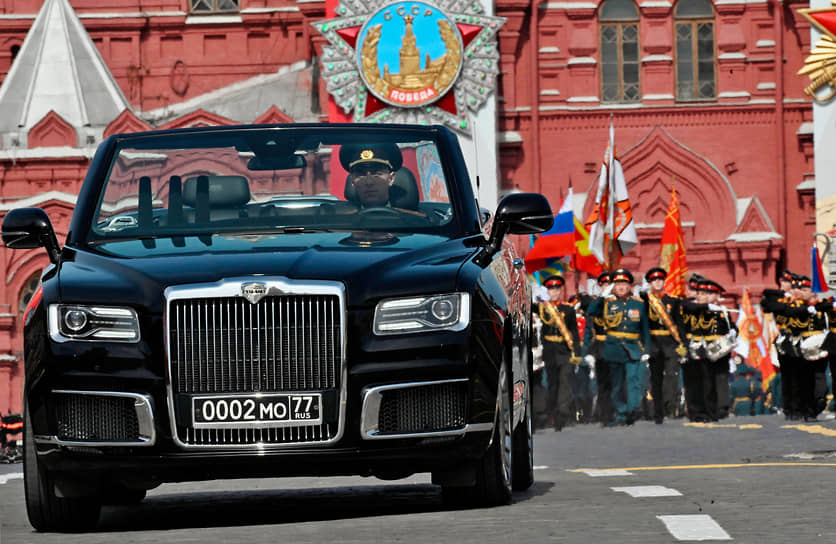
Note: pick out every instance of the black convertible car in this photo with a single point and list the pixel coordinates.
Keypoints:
(261, 301)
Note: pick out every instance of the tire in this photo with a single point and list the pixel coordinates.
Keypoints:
(493, 485)
(46, 511)
(523, 445)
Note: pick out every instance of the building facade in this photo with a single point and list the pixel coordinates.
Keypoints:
(703, 96)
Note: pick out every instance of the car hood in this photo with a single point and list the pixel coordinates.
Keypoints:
(135, 272)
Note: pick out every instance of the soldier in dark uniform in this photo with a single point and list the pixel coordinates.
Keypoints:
(582, 377)
(792, 319)
(625, 344)
(593, 338)
(813, 381)
(774, 301)
(666, 348)
(561, 346)
(707, 326)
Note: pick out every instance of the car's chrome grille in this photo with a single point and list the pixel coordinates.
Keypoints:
(289, 343)
(228, 345)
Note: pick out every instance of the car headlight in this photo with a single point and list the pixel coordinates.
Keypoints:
(421, 314)
(104, 323)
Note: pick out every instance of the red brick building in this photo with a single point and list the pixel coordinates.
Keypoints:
(702, 92)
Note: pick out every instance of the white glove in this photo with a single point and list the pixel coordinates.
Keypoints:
(543, 294)
(607, 290)
(644, 358)
(590, 360)
(811, 310)
(716, 307)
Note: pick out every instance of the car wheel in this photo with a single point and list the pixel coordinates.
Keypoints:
(46, 511)
(493, 472)
(523, 446)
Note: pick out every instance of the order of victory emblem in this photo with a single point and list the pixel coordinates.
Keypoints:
(820, 65)
(411, 62)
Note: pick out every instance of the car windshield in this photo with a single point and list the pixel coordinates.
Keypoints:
(275, 181)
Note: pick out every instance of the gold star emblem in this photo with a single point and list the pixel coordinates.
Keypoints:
(367, 154)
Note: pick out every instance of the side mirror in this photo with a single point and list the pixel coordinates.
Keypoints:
(518, 213)
(27, 228)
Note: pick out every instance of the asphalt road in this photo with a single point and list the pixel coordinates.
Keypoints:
(755, 480)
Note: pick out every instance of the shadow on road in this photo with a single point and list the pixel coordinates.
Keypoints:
(263, 507)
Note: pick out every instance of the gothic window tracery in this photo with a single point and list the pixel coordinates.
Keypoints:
(695, 56)
(619, 30)
(202, 7)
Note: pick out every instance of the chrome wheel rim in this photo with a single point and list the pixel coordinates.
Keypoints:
(504, 422)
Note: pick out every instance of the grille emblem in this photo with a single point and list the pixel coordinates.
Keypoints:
(253, 292)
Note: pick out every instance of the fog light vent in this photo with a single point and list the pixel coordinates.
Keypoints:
(96, 418)
(423, 409)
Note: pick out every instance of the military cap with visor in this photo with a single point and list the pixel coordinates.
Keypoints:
(604, 277)
(386, 154)
(656, 273)
(554, 281)
(710, 286)
(622, 274)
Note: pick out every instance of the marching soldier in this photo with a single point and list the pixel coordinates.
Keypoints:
(790, 319)
(624, 347)
(561, 345)
(593, 338)
(711, 335)
(666, 349)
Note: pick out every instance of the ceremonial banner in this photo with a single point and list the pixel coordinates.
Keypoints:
(556, 242)
(819, 283)
(672, 257)
(612, 232)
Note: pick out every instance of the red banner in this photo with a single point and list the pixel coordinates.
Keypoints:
(672, 256)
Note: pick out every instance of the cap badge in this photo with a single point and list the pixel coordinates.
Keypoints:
(367, 154)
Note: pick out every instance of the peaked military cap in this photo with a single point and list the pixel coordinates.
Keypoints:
(622, 274)
(387, 154)
(710, 286)
(554, 281)
(802, 281)
(604, 277)
(694, 281)
(656, 273)
(786, 276)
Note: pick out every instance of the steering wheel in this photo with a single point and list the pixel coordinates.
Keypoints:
(379, 211)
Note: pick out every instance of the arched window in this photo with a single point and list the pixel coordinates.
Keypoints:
(213, 6)
(694, 33)
(619, 22)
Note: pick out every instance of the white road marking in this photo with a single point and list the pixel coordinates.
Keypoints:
(600, 473)
(694, 527)
(540, 467)
(12, 476)
(648, 491)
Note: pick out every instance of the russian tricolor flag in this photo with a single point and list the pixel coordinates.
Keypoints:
(819, 283)
(556, 242)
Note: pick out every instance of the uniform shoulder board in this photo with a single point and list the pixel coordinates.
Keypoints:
(637, 299)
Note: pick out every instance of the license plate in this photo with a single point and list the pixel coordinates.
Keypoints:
(258, 410)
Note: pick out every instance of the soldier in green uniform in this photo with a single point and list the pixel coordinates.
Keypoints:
(745, 392)
(625, 345)
(561, 346)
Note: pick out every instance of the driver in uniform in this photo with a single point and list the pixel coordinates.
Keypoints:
(372, 170)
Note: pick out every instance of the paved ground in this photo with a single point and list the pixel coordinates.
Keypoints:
(756, 479)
